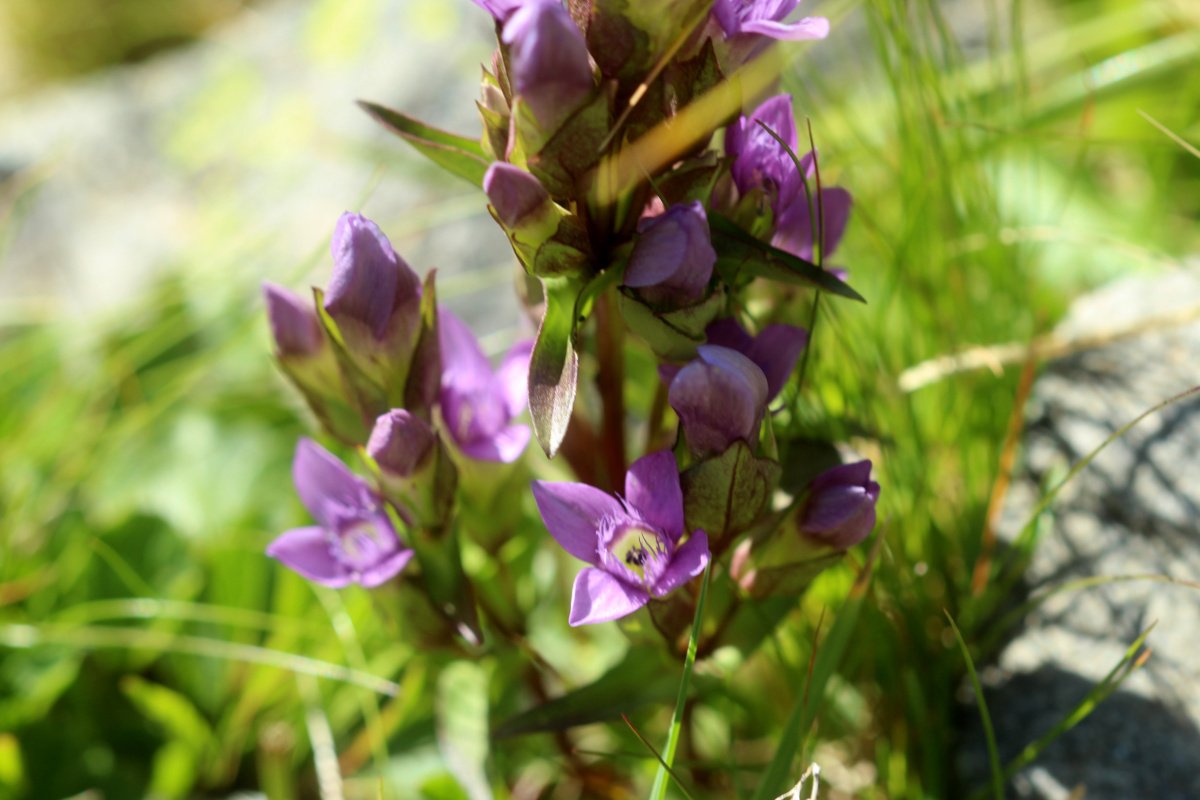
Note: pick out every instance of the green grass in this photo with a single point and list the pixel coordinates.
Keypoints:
(145, 459)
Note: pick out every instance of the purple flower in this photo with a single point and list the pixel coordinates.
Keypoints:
(765, 19)
(400, 442)
(794, 226)
(500, 9)
(839, 508)
(672, 260)
(513, 192)
(549, 59)
(354, 541)
(759, 161)
(294, 324)
(774, 350)
(632, 543)
(477, 405)
(720, 398)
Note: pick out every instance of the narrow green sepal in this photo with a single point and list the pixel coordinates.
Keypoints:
(726, 495)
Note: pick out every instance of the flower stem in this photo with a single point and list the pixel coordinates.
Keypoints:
(610, 382)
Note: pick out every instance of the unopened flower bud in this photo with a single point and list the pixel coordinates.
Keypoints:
(673, 257)
(400, 442)
(370, 282)
(839, 509)
(294, 324)
(549, 59)
(513, 192)
(720, 398)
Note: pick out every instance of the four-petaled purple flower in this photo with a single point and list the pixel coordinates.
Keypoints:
(720, 398)
(354, 541)
(839, 506)
(672, 260)
(477, 404)
(632, 543)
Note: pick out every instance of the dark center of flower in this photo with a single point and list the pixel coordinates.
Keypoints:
(643, 551)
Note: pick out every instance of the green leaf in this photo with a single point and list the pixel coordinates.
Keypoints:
(424, 374)
(672, 335)
(725, 495)
(456, 154)
(170, 709)
(639, 679)
(738, 251)
(574, 148)
(462, 729)
(554, 366)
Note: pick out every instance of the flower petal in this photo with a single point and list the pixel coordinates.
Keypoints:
(806, 28)
(776, 350)
(601, 597)
(505, 447)
(652, 488)
(463, 364)
(306, 552)
(325, 484)
(386, 569)
(687, 562)
(572, 513)
(512, 378)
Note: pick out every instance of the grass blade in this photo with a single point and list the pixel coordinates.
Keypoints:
(989, 731)
(659, 791)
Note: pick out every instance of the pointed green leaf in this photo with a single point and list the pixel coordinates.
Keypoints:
(554, 366)
(641, 678)
(424, 375)
(456, 154)
(738, 250)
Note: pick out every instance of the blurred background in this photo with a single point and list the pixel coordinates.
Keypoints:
(158, 160)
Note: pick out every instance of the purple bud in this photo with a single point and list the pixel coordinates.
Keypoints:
(672, 260)
(720, 398)
(839, 509)
(775, 350)
(370, 282)
(294, 324)
(513, 192)
(549, 59)
(500, 9)
(400, 442)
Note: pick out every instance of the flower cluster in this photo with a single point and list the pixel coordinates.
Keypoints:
(376, 359)
(672, 244)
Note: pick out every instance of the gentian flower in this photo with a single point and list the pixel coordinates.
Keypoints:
(354, 541)
(759, 161)
(549, 59)
(294, 325)
(513, 192)
(400, 442)
(839, 506)
(775, 350)
(374, 297)
(758, 20)
(720, 398)
(673, 257)
(632, 543)
(477, 405)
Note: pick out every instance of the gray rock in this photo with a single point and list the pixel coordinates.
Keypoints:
(1132, 512)
(230, 160)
